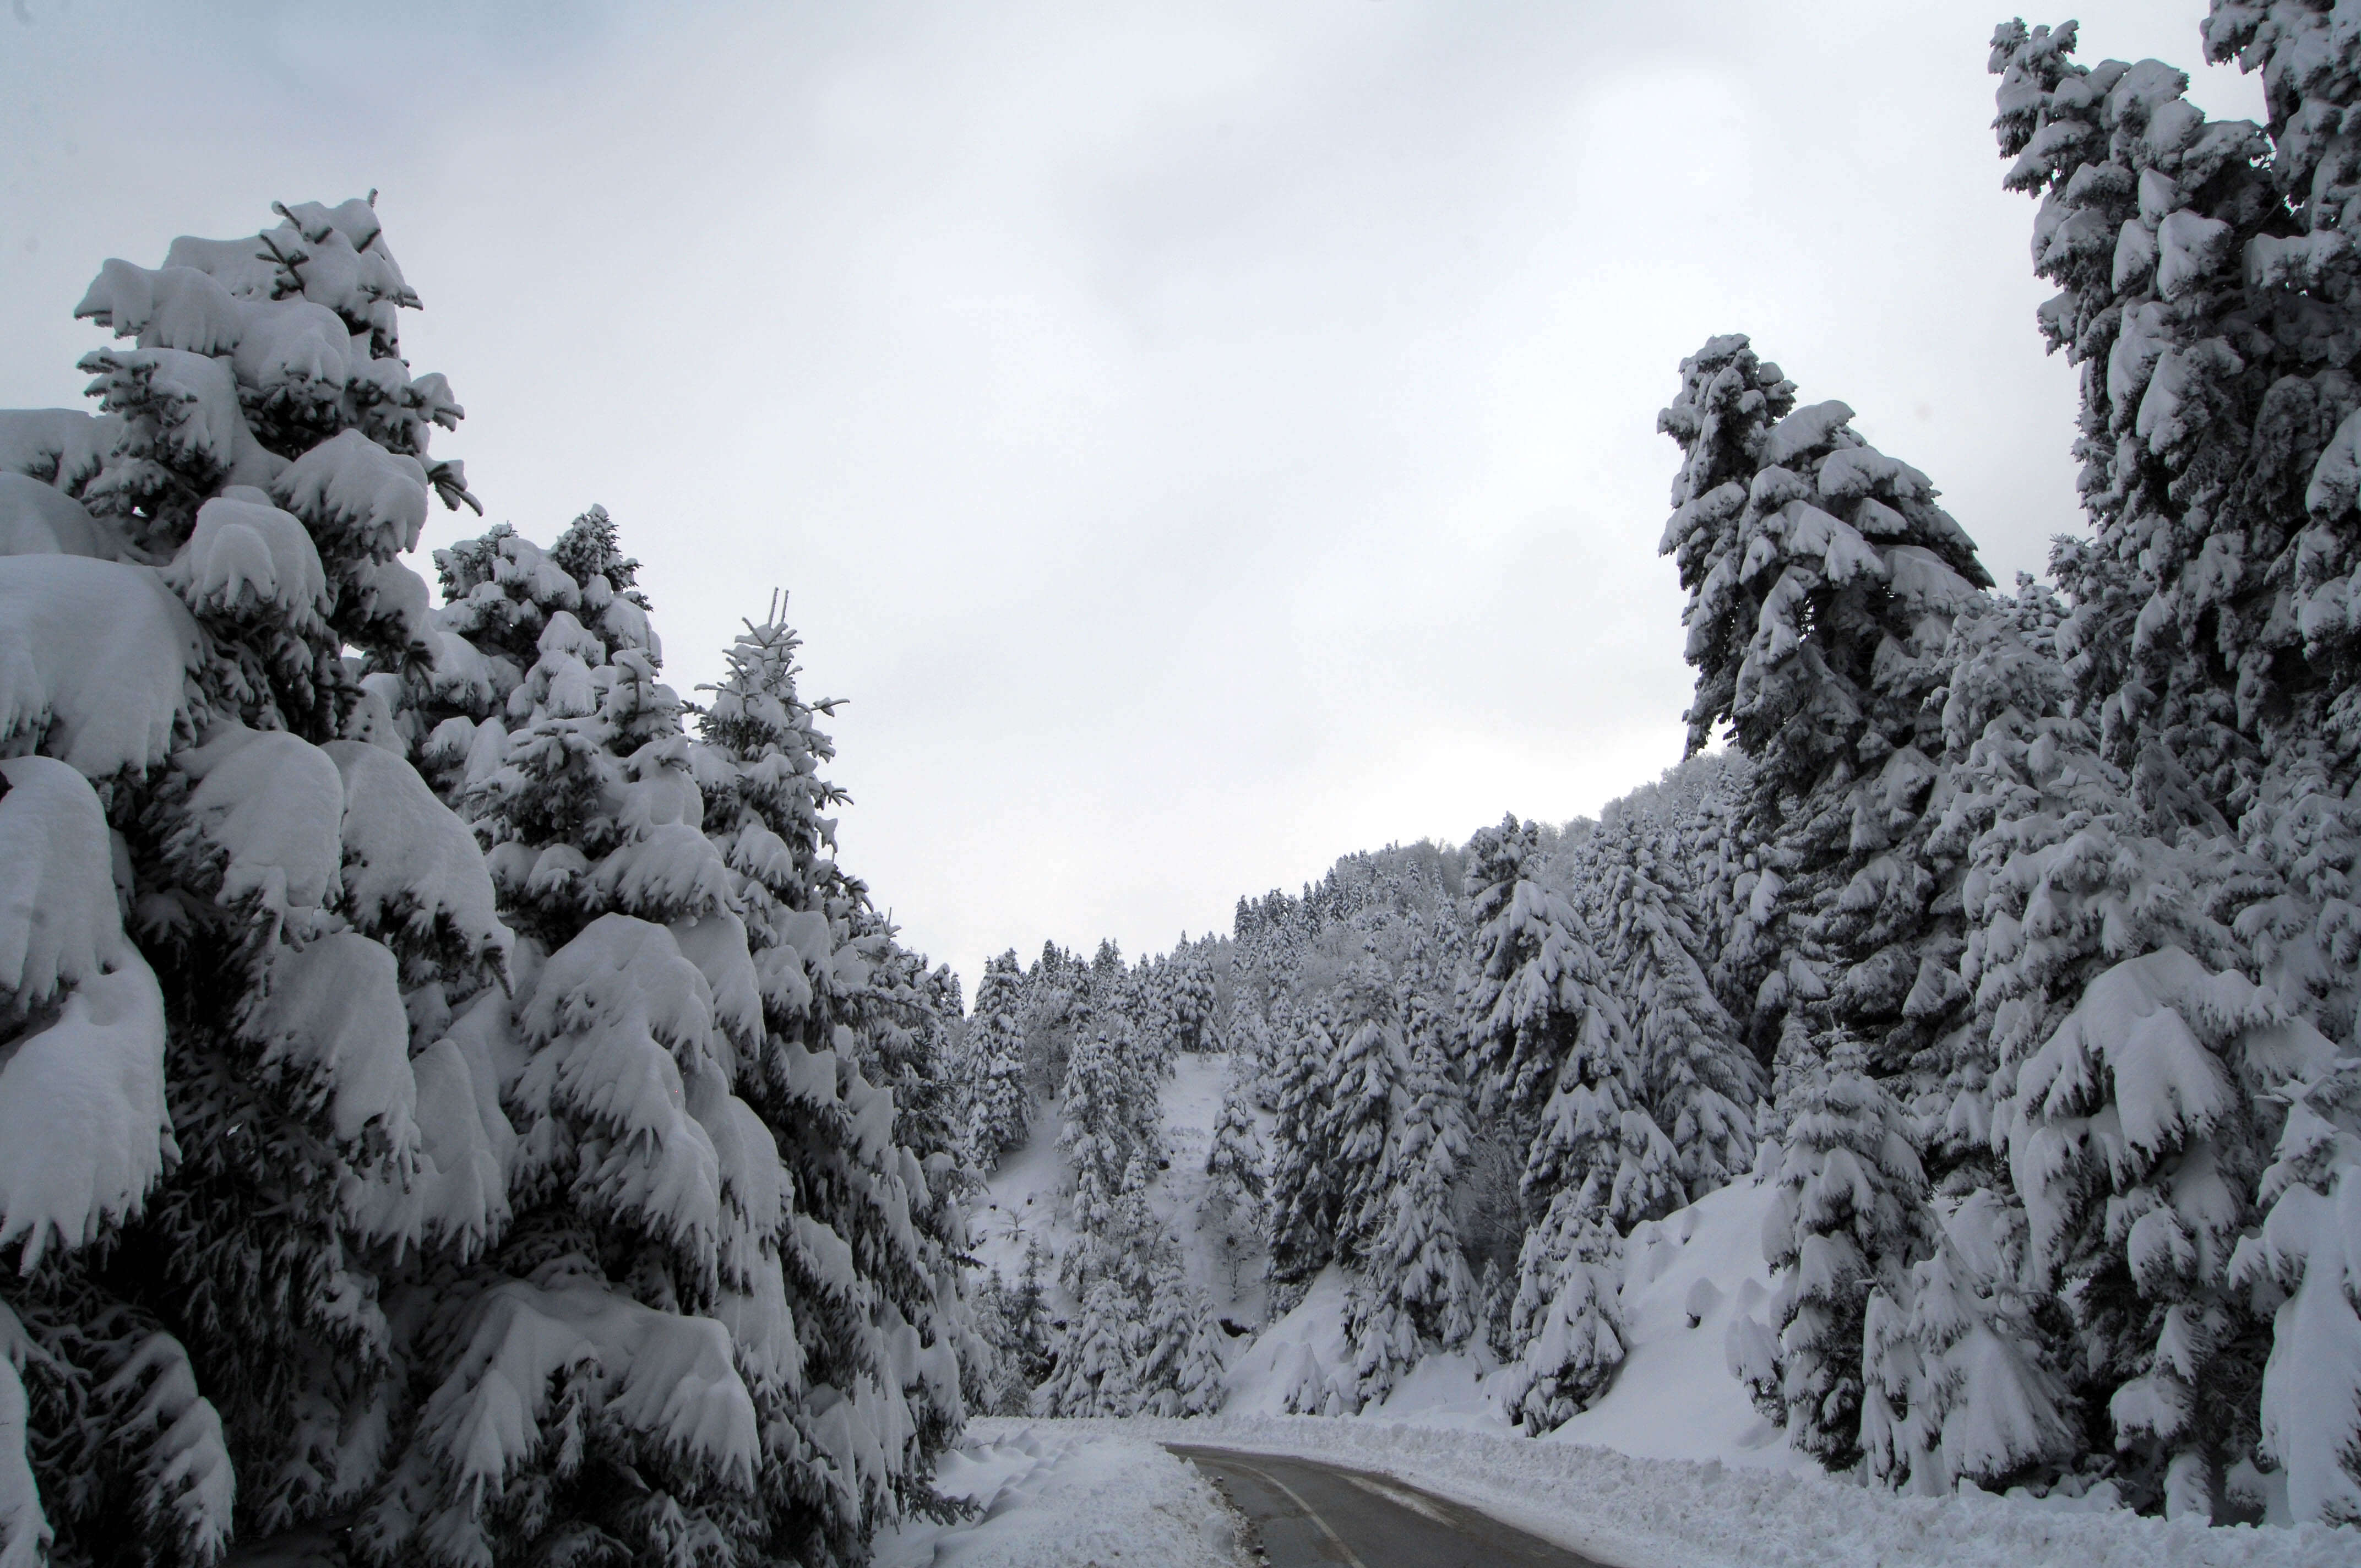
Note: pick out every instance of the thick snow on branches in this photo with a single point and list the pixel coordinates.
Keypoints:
(443, 1100)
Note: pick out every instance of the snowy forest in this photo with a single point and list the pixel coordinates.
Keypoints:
(455, 1108)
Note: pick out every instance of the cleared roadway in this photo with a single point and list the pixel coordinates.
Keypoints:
(1309, 1515)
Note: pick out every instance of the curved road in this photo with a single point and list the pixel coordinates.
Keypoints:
(1307, 1514)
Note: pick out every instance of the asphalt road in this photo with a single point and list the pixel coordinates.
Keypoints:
(1315, 1515)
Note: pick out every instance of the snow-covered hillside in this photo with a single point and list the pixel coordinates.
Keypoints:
(1673, 1398)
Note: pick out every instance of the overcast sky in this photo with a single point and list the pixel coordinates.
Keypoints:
(1199, 439)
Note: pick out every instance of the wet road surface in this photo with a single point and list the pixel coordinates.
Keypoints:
(1308, 1515)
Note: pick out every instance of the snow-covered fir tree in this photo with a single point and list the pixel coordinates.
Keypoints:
(1415, 1291)
(1849, 1219)
(872, 1258)
(1234, 1164)
(1538, 1015)
(226, 1140)
(1822, 583)
(1000, 1107)
(1535, 995)
(2303, 1268)
(1095, 1357)
(1306, 1180)
(1101, 1138)
(1566, 1322)
(1963, 1383)
(1696, 1078)
(2210, 657)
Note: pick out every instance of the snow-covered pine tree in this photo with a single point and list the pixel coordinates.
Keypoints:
(1822, 582)
(1306, 1180)
(2137, 1135)
(208, 1211)
(2022, 766)
(2305, 1270)
(902, 1017)
(1180, 1369)
(1365, 1104)
(1566, 1324)
(1100, 1138)
(1414, 1289)
(2206, 277)
(1056, 1003)
(2206, 274)
(655, 871)
(1537, 1012)
(1849, 1218)
(1698, 1081)
(871, 1257)
(1595, 1133)
(650, 1199)
(1000, 1107)
(1196, 1021)
(1535, 995)
(1962, 1384)
(1109, 982)
(1096, 1357)
(2137, 1163)
(1005, 1390)
(1234, 1164)
(1029, 1310)
(1153, 1021)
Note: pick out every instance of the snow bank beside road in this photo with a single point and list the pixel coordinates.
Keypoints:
(1069, 1495)
(1657, 1513)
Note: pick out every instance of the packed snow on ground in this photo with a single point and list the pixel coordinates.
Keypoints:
(1057, 1494)
(1628, 1513)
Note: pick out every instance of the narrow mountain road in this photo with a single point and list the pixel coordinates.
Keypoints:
(1309, 1515)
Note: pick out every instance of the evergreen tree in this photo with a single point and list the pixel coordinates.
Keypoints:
(1000, 1106)
(1234, 1164)
(1534, 996)
(1306, 1180)
(1962, 1383)
(1822, 582)
(872, 1261)
(1095, 1362)
(1191, 994)
(648, 1196)
(1567, 1318)
(1365, 1102)
(1698, 1079)
(218, 1156)
(1056, 1005)
(1414, 1289)
(1101, 1139)
(2137, 1135)
(2206, 282)
(1180, 1369)
(1849, 1219)
(1537, 1010)
(1014, 1322)
(2304, 1269)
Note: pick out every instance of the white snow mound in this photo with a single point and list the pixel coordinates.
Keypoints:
(1058, 1495)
